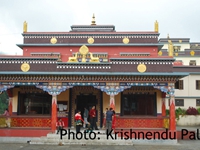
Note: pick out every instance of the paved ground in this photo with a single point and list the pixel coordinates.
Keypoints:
(183, 145)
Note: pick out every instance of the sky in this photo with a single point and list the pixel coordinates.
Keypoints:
(178, 18)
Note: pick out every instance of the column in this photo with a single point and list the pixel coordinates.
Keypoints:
(163, 104)
(54, 112)
(112, 101)
(172, 116)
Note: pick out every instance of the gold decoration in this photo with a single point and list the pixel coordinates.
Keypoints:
(196, 45)
(170, 48)
(93, 20)
(125, 40)
(93, 59)
(176, 54)
(192, 53)
(84, 50)
(90, 40)
(160, 53)
(73, 59)
(25, 27)
(156, 26)
(180, 41)
(53, 40)
(25, 67)
(141, 68)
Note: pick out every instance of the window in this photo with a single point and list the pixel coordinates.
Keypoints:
(179, 102)
(197, 102)
(34, 104)
(192, 62)
(197, 84)
(179, 85)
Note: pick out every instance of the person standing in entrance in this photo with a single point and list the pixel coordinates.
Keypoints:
(85, 116)
(109, 117)
(93, 118)
(78, 120)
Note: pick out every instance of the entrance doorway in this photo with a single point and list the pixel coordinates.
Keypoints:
(85, 101)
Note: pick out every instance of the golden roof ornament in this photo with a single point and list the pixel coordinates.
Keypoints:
(170, 48)
(90, 40)
(141, 68)
(125, 40)
(25, 67)
(25, 27)
(192, 53)
(156, 26)
(160, 53)
(53, 40)
(93, 20)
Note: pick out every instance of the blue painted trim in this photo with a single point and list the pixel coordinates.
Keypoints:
(185, 97)
(98, 73)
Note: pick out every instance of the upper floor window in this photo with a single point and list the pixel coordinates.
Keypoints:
(179, 102)
(192, 62)
(197, 84)
(179, 85)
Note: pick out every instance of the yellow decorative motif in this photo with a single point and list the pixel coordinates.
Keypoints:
(93, 59)
(180, 41)
(170, 48)
(125, 40)
(160, 53)
(84, 50)
(25, 27)
(141, 68)
(166, 123)
(53, 40)
(192, 53)
(176, 54)
(73, 59)
(156, 26)
(90, 40)
(25, 67)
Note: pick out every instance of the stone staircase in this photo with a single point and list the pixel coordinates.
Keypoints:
(97, 137)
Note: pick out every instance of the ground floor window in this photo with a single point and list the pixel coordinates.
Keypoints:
(34, 103)
(138, 104)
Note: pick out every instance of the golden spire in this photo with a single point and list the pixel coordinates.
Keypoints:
(93, 20)
(25, 27)
(156, 26)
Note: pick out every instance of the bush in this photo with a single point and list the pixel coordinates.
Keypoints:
(198, 109)
(179, 111)
(192, 111)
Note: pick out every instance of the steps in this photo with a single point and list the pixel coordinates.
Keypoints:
(97, 137)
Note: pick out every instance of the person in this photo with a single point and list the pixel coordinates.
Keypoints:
(88, 129)
(6, 114)
(109, 117)
(59, 124)
(93, 119)
(85, 116)
(104, 118)
(79, 121)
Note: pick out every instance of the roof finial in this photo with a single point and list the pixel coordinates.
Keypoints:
(25, 26)
(156, 26)
(93, 20)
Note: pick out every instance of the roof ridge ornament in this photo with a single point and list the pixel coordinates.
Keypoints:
(25, 27)
(93, 20)
(156, 27)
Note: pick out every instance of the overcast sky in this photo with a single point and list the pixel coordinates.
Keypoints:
(179, 18)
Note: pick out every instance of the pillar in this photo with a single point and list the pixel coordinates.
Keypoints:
(163, 104)
(54, 112)
(172, 116)
(10, 104)
(112, 101)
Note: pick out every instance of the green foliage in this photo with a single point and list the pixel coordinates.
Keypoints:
(180, 112)
(3, 102)
(198, 109)
(167, 112)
